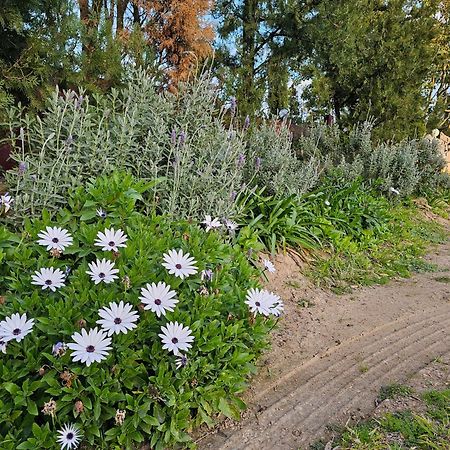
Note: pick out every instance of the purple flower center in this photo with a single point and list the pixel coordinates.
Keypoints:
(69, 436)
(175, 340)
(90, 349)
(48, 282)
(157, 301)
(257, 304)
(101, 275)
(117, 320)
(111, 243)
(16, 332)
(178, 266)
(55, 240)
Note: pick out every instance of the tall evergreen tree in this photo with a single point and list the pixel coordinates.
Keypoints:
(371, 58)
(250, 52)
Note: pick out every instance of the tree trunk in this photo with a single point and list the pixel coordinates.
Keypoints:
(121, 8)
(249, 30)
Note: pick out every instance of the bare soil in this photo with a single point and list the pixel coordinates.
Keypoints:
(331, 355)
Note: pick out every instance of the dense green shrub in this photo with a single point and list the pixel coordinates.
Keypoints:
(182, 141)
(338, 209)
(163, 396)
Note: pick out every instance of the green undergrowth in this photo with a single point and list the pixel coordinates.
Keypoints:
(404, 429)
(394, 250)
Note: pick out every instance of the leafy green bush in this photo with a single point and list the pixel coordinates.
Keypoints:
(279, 223)
(337, 210)
(139, 391)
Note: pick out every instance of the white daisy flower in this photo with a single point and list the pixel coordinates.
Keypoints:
(159, 298)
(118, 318)
(15, 327)
(211, 224)
(269, 266)
(6, 202)
(102, 270)
(101, 213)
(69, 436)
(230, 225)
(278, 306)
(175, 337)
(3, 345)
(55, 238)
(181, 361)
(179, 264)
(49, 278)
(111, 239)
(90, 347)
(260, 301)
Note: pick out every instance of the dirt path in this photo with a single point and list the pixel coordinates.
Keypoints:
(329, 361)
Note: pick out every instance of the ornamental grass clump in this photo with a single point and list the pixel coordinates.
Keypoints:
(137, 330)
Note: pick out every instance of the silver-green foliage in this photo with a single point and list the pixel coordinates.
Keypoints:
(276, 165)
(408, 166)
(179, 139)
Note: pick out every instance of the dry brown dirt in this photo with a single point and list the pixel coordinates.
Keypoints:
(332, 354)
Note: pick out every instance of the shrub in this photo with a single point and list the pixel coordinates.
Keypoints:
(409, 166)
(274, 165)
(180, 140)
(161, 401)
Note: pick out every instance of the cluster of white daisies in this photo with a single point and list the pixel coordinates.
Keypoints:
(93, 345)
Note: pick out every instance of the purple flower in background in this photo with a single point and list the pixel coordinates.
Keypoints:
(233, 196)
(240, 160)
(257, 163)
(22, 167)
(173, 136)
(182, 138)
(69, 140)
(59, 349)
(206, 275)
(79, 102)
(233, 104)
(246, 123)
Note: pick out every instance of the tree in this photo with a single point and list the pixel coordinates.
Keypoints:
(250, 57)
(371, 58)
(178, 31)
(36, 50)
(439, 82)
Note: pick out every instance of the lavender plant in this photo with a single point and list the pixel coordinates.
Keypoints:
(180, 140)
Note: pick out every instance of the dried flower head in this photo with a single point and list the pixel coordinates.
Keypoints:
(55, 253)
(79, 407)
(120, 416)
(49, 408)
(126, 282)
